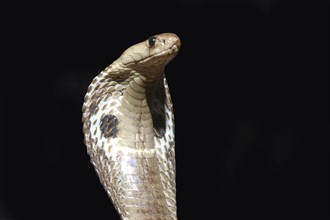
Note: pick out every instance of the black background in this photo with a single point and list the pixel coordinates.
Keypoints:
(250, 94)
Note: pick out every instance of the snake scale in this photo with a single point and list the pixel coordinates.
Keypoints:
(128, 125)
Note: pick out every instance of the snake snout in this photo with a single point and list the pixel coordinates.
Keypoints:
(170, 39)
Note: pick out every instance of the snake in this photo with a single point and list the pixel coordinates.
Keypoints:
(128, 127)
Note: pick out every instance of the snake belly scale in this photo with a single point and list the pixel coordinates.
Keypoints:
(128, 124)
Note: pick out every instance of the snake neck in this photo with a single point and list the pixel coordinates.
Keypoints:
(136, 123)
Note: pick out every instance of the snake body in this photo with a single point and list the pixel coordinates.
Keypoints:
(128, 125)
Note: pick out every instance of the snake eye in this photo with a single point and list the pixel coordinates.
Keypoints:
(151, 41)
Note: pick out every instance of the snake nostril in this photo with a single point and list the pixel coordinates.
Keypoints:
(164, 41)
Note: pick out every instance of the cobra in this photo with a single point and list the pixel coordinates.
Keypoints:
(128, 126)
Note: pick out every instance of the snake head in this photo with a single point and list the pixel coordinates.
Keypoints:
(152, 54)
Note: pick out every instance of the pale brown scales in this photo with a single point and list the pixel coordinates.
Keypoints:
(128, 125)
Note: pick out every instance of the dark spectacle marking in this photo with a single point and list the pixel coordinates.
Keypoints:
(159, 124)
(156, 102)
(108, 126)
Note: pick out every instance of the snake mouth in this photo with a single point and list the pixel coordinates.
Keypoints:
(174, 49)
(167, 54)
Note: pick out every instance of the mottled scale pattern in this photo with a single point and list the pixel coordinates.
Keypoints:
(128, 123)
